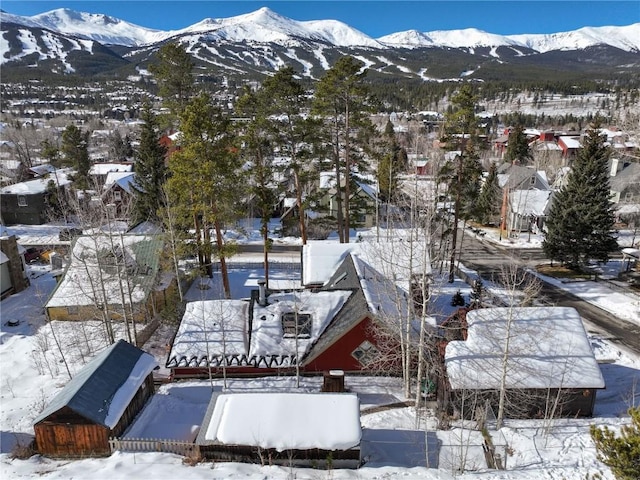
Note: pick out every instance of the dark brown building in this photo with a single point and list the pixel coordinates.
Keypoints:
(98, 403)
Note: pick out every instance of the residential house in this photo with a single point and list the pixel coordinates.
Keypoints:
(362, 200)
(99, 172)
(517, 208)
(541, 356)
(13, 275)
(570, 144)
(293, 429)
(109, 276)
(528, 210)
(27, 202)
(624, 183)
(98, 403)
(118, 193)
(331, 324)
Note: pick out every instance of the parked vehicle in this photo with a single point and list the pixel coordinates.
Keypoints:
(32, 254)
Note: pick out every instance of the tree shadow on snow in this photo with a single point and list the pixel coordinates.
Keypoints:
(399, 448)
(10, 440)
(622, 390)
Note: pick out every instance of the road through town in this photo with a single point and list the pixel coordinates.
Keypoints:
(488, 259)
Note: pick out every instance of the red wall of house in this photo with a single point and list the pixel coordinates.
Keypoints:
(338, 356)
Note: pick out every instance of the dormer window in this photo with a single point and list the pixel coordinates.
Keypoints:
(296, 324)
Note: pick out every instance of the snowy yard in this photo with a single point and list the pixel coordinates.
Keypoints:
(395, 443)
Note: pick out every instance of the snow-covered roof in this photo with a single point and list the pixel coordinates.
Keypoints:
(570, 141)
(396, 258)
(286, 421)
(90, 281)
(103, 389)
(548, 348)
(125, 180)
(530, 202)
(216, 329)
(38, 185)
(105, 168)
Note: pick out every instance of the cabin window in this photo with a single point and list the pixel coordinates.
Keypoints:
(22, 201)
(72, 310)
(628, 198)
(117, 195)
(365, 353)
(296, 324)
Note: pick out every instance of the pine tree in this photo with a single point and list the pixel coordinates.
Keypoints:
(393, 162)
(294, 133)
(518, 150)
(621, 453)
(75, 152)
(173, 72)
(460, 133)
(341, 98)
(488, 205)
(204, 184)
(580, 223)
(151, 172)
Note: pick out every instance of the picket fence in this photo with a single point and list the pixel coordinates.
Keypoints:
(186, 449)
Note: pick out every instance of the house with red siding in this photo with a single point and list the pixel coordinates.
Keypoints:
(333, 322)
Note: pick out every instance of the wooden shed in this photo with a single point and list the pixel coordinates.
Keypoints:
(299, 429)
(98, 403)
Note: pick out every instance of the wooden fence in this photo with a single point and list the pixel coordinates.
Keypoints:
(186, 449)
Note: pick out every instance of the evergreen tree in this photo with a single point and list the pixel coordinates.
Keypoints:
(342, 98)
(518, 150)
(173, 72)
(258, 155)
(393, 162)
(581, 219)
(488, 205)
(150, 169)
(295, 135)
(51, 152)
(204, 184)
(460, 133)
(75, 152)
(620, 452)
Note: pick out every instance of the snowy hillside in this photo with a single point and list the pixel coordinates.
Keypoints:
(265, 25)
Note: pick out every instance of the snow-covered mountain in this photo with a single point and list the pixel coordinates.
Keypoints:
(267, 26)
(262, 41)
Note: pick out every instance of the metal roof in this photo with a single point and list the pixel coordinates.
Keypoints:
(90, 392)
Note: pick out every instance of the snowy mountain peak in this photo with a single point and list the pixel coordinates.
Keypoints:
(101, 28)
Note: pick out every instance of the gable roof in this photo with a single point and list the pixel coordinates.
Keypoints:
(247, 334)
(628, 176)
(518, 177)
(90, 262)
(530, 202)
(548, 348)
(102, 390)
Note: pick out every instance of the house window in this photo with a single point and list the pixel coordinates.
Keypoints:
(72, 310)
(296, 324)
(22, 201)
(628, 198)
(532, 181)
(365, 353)
(117, 195)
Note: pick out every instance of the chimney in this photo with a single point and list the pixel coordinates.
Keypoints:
(262, 293)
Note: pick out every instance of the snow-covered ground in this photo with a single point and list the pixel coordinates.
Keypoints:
(395, 442)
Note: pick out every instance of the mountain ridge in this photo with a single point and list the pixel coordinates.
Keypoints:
(94, 27)
(256, 44)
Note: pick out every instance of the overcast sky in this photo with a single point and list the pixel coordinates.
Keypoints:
(374, 18)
